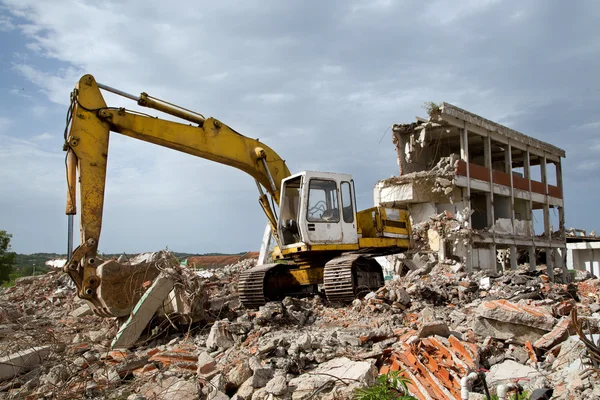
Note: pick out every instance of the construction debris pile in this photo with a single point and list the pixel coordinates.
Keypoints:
(446, 331)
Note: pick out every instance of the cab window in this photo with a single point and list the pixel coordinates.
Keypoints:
(323, 201)
(347, 210)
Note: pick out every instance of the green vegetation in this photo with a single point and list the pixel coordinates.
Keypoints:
(387, 387)
(432, 108)
(7, 257)
(523, 396)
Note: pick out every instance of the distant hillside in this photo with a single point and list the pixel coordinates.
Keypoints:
(25, 262)
(218, 261)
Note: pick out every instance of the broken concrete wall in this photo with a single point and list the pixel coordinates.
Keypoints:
(482, 258)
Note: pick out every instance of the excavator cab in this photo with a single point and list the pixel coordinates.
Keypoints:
(317, 208)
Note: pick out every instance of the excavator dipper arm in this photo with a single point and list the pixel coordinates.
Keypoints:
(87, 144)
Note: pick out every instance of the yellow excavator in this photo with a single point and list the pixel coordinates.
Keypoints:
(323, 243)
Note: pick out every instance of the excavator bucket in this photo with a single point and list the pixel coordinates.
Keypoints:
(122, 286)
(118, 286)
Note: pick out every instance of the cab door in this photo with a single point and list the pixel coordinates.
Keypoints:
(323, 214)
(348, 219)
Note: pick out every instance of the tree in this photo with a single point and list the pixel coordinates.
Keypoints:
(7, 257)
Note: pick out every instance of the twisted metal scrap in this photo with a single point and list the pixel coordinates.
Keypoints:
(593, 348)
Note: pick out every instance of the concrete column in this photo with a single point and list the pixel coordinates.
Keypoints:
(469, 258)
(559, 262)
(464, 153)
(532, 263)
(550, 263)
(513, 257)
(561, 210)
(495, 258)
(490, 201)
(527, 171)
(489, 197)
(570, 258)
(265, 245)
(442, 250)
(547, 203)
(508, 159)
(401, 154)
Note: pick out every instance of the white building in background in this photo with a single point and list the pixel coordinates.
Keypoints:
(583, 252)
(58, 263)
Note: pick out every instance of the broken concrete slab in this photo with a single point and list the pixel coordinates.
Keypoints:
(262, 375)
(509, 371)
(438, 328)
(219, 336)
(206, 364)
(239, 374)
(334, 373)
(504, 320)
(170, 388)
(22, 361)
(559, 334)
(277, 386)
(143, 312)
(81, 311)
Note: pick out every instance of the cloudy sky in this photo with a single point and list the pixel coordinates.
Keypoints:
(318, 81)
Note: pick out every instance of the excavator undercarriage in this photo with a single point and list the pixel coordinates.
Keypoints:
(343, 279)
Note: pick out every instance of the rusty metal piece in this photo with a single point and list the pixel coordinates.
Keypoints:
(593, 348)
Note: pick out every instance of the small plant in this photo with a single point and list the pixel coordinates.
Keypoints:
(391, 386)
(523, 396)
(432, 108)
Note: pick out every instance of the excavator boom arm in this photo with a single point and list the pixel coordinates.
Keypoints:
(87, 152)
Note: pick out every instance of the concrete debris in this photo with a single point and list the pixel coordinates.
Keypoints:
(17, 363)
(511, 371)
(81, 311)
(426, 325)
(219, 337)
(336, 378)
(143, 312)
(502, 319)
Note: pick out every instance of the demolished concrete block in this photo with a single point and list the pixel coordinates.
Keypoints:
(277, 386)
(572, 359)
(504, 320)
(106, 376)
(143, 312)
(262, 376)
(239, 374)
(178, 388)
(22, 361)
(246, 390)
(438, 328)
(335, 372)
(509, 371)
(56, 375)
(219, 336)
(82, 311)
(559, 334)
(206, 364)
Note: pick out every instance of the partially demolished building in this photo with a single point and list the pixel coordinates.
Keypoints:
(474, 189)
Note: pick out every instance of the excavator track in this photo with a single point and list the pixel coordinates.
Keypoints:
(351, 276)
(251, 286)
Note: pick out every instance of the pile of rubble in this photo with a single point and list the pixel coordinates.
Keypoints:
(446, 331)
